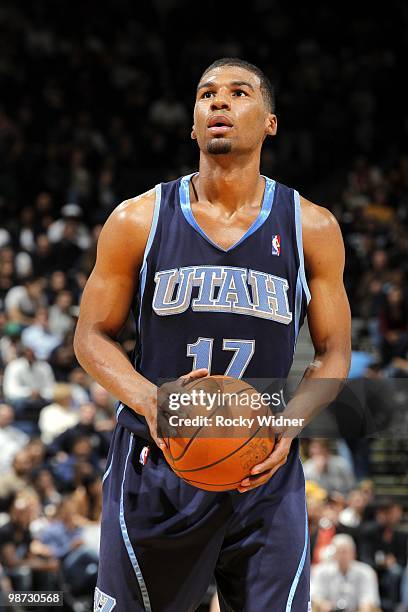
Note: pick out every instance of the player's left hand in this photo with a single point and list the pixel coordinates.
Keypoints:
(261, 473)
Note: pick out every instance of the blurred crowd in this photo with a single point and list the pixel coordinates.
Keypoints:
(94, 109)
(358, 547)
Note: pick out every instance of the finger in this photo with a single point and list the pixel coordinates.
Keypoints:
(275, 458)
(254, 485)
(256, 480)
(153, 427)
(193, 375)
(253, 482)
(276, 468)
(160, 442)
(279, 453)
(264, 477)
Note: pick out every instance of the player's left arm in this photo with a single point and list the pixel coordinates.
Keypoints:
(329, 321)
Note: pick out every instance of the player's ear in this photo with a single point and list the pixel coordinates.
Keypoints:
(271, 124)
(193, 134)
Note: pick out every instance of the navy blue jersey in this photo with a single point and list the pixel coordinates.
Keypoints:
(235, 311)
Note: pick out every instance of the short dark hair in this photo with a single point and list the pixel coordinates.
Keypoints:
(267, 89)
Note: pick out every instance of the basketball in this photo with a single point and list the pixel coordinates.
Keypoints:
(223, 437)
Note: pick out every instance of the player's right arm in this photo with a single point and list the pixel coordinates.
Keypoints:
(107, 300)
(105, 307)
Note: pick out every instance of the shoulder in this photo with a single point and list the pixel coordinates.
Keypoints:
(364, 570)
(322, 239)
(16, 364)
(124, 236)
(317, 220)
(133, 213)
(325, 569)
(16, 293)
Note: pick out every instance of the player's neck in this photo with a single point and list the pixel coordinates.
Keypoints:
(231, 185)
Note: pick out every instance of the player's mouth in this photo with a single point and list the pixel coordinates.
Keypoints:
(219, 124)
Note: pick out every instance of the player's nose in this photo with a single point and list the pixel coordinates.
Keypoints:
(220, 102)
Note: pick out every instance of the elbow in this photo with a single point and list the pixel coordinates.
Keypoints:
(80, 343)
(338, 355)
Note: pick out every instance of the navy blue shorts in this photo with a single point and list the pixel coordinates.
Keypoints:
(163, 540)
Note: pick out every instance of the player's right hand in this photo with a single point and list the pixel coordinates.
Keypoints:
(160, 410)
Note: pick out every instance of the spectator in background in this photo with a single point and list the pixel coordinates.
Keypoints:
(384, 547)
(16, 479)
(399, 366)
(44, 485)
(105, 412)
(58, 416)
(352, 515)
(80, 386)
(60, 320)
(64, 467)
(43, 256)
(168, 112)
(39, 336)
(11, 439)
(315, 499)
(88, 258)
(65, 538)
(372, 283)
(39, 519)
(78, 232)
(28, 385)
(63, 359)
(26, 236)
(325, 523)
(5, 583)
(394, 324)
(69, 237)
(329, 471)
(6, 283)
(29, 564)
(23, 301)
(10, 345)
(87, 498)
(57, 282)
(38, 451)
(86, 427)
(344, 583)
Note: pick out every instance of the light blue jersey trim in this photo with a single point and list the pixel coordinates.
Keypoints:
(108, 471)
(299, 569)
(299, 242)
(152, 233)
(125, 535)
(298, 304)
(266, 208)
(119, 409)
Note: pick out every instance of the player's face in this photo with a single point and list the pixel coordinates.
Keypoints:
(230, 115)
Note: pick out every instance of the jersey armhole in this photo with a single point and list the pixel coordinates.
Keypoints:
(152, 233)
(299, 243)
(153, 226)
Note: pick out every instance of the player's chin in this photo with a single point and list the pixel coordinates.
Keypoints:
(219, 146)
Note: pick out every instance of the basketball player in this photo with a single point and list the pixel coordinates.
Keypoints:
(218, 268)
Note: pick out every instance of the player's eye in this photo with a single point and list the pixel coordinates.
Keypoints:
(240, 93)
(207, 94)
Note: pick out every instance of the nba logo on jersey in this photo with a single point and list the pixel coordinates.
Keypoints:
(276, 243)
(103, 602)
(144, 453)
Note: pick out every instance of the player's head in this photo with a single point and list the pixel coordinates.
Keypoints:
(234, 108)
